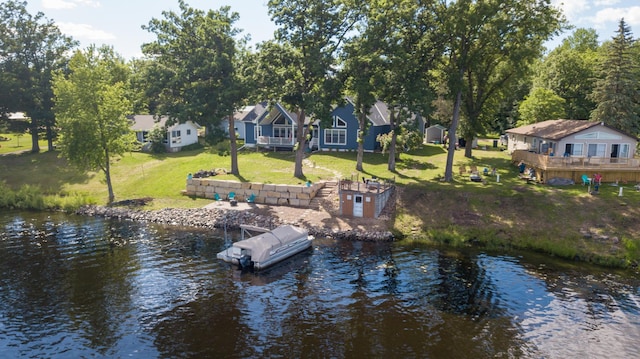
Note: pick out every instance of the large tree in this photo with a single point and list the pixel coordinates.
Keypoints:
(617, 91)
(91, 106)
(491, 43)
(31, 49)
(540, 105)
(568, 71)
(194, 72)
(301, 65)
(360, 62)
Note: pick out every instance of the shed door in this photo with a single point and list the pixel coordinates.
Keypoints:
(357, 205)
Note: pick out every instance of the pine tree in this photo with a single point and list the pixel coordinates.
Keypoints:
(616, 92)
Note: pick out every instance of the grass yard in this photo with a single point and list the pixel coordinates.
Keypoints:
(10, 142)
(565, 221)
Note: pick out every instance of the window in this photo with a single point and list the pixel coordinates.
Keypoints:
(620, 150)
(335, 137)
(596, 149)
(282, 132)
(573, 149)
(338, 122)
(188, 132)
(175, 135)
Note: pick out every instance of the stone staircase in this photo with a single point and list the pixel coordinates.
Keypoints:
(326, 193)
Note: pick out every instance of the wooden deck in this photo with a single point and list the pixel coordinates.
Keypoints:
(612, 169)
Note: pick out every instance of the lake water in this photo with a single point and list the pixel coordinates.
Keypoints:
(81, 287)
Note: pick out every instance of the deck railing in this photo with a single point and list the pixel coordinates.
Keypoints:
(275, 141)
(550, 162)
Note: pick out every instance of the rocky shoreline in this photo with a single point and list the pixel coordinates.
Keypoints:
(222, 218)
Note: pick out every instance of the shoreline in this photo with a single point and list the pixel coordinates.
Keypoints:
(219, 218)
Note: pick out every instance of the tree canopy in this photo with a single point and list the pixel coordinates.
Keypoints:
(616, 91)
(194, 69)
(32, 48)
(91, 106)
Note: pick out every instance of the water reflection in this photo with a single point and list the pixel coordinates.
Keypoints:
(86, 287)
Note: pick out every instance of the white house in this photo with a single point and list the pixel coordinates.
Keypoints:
(575, 149)
(176, 137)
(572, 138)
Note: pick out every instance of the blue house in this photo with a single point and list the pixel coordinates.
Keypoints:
(343, 133)
(274, 128)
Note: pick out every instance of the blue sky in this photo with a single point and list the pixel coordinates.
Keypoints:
(118, 22)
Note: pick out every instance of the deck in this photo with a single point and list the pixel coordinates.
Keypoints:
(612, 169)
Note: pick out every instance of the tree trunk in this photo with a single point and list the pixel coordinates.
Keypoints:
(107, 175)
(448, 172)
(50, 138)
(392, 146)
(35, 147)
(234, 146)
(361, 121)
(468, 147)
(301, 141)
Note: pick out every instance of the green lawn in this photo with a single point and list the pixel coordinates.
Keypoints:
(505, 214)
(10, 142)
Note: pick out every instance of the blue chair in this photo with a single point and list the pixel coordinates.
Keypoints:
(217, 197)
(586, 180)
(232, 196)
(252, 198)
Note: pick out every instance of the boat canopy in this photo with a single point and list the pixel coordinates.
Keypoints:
(261, 244)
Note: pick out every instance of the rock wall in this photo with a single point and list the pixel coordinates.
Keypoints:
(265, 193)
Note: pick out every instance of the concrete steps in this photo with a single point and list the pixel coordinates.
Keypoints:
(325, 192)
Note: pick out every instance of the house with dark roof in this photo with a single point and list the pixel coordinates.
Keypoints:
(342, 135)
(176, 136)
(570, 148)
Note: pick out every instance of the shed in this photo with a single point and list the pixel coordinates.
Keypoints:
(434, 134)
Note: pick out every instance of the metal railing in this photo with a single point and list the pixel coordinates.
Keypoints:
(275, 141)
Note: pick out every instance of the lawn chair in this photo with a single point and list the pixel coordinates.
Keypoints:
(251, 198)
(217, 197)
(232, 196)
(586, 180)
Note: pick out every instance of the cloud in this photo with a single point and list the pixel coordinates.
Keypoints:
(68, 4)
(605, 2)
(572, 9)
(631, 16)
(84, 31)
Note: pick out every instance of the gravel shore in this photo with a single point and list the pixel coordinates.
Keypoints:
(231, 219)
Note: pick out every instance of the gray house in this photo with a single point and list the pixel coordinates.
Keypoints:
(570, 148)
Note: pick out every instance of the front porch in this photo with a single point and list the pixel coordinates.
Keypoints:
(611, 169)
(276, 141)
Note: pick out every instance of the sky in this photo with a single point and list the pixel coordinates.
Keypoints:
(118, 23)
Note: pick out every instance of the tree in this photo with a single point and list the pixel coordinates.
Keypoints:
(301, 66)
(617, 90)
(32, 49)
(409, 49)
(490, 44)
(568, 71)
(360, 63)
(194, 73)
(91, 106)
(541, 105)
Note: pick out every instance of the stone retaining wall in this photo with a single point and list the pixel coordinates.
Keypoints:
(265, 193)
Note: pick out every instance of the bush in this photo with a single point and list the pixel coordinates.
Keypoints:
(192, 147)
(31, 198)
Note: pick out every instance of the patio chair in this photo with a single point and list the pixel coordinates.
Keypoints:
(217, 197)
(232, 196)
(251, 198)
(586, 180)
